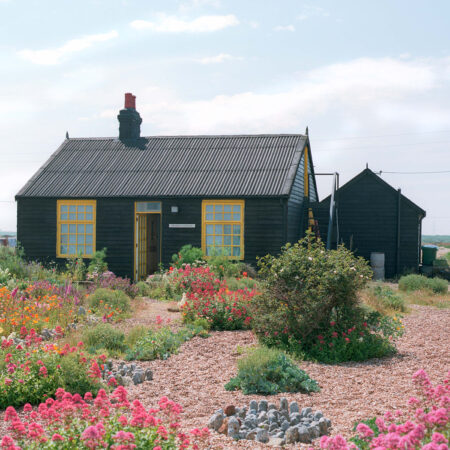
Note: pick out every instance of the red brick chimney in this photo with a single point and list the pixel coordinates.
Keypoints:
(129, 119)
(130, 100)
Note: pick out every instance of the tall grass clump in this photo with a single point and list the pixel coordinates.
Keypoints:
(115, 299)
(383, 298)
(104, 337)
(269, 371)
(414, 282)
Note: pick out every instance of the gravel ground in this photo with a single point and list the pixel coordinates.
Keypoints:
(195, 377)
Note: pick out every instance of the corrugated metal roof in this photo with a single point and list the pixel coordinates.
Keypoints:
(168, 166)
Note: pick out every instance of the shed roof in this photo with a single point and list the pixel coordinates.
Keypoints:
(383, 184)
(169, 166)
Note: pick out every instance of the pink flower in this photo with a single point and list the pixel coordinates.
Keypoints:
(364, 430)
(57, 437)
(438, 438)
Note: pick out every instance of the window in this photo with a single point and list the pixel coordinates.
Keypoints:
(76, 228)
(223, 227)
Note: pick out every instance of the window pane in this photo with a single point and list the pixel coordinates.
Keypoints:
(64, 228)
(226, 208)
(80, 239)
(64, 239)
(209, 208)
(218, 229)
(236, 216)
(218, 240)
(72, 249)
(218, 208)
(236, 208)
(236, 229)
(63, 249)
(236, 240)
(64, 208)
(89, 239)
(89, 229)
(72, 208)
(63, 216)
(88, 250)
(80, 216)
(148, 207)
(72, 216)
(227, 216)
(89, 208)
(227, 251)
(227, 240)
(80, 208)
(88, 216)
(209, 229)
(209, 240)
(208, 250)
(72, 228)
(80, 229)
(236, 251)
(72, 239)
(210, 216)
(227, 229)
(218, 216)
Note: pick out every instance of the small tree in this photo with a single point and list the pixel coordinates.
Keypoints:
(305, 288)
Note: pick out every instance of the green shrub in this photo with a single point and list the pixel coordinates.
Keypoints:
(115, 299)
(104, 336)
(135, 334)
(268, 372)
(143, 289)
(223, 266)
(76, 269)
(388, 298)
(419, 282)
(243, 283)
(187, 255)
(98, 264)
(161, 343)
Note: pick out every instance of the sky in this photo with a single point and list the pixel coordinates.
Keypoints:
(370, 79)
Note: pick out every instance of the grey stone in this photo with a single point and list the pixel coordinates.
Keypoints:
(233, 427)
(249, 423)
(303, 435)
(293, 407)
(280, 434)
(262, 417)
(138, 377)
(314, 431)
(254, 405)
(273, 427)
(251, 435)
(328, 423)
(242, 412)
(276, 442)
(215, 421)
(283, 404)
(306, 412)
(272, 417)
(262, 436)
(323, 426)
(148, 375)
(127, 380)
(243, 434)
(133, 366)
(81, 311)
(263, 405)
(220, 411)
(285, 425)
(295, 418)
(272, 406)
(291, 435)
(317, 415)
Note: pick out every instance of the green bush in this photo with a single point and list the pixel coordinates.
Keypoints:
(243, 283)
(135, 334)
(115, 299)
(161, 343)
(143, 289)
(268, 372)
(419, 282)
(187, 255)
(223, 266)
(104, 336)
(98, 264)
(388, 298)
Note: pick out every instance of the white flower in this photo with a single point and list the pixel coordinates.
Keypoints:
(309, 257)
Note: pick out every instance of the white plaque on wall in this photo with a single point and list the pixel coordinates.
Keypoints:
(181, 225)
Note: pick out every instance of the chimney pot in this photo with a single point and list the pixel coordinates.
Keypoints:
(130, 101)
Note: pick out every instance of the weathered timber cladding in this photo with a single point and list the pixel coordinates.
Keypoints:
(368, 215)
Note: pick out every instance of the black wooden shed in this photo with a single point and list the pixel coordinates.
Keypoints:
(144, 197)
(372, 216)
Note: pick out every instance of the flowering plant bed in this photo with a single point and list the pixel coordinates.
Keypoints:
(32, 372)
(74, 422)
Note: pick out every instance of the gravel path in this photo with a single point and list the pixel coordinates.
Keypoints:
(350, 392)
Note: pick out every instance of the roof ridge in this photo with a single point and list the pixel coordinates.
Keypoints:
(187, 136)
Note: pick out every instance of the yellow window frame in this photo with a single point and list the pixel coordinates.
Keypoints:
(240, 222)
(76, 222)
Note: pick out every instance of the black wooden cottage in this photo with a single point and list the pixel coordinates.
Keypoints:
(144, 197)
(372, 216)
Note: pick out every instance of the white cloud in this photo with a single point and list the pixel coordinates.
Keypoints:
(173, 24)
(284, 28)
(193, 4)
(309, 11)
(55, 55)
(253, 24)
(220, 58)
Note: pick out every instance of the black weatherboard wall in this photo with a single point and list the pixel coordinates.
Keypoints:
(373, 217)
